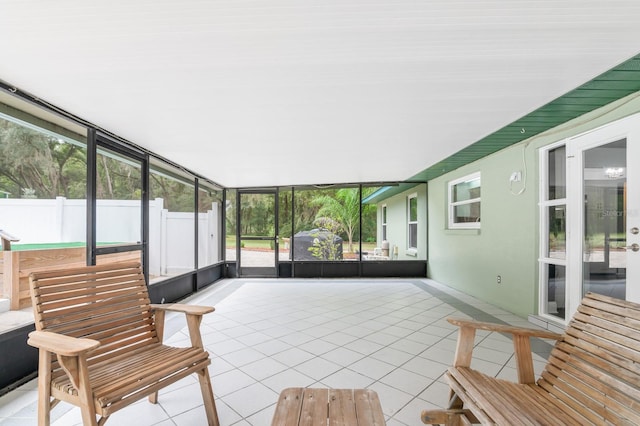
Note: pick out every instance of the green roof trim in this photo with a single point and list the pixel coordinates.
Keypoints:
(612, 85)
(389, 191)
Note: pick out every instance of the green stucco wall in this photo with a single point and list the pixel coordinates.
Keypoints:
(471, 260)
(507, 243)
(397, 233)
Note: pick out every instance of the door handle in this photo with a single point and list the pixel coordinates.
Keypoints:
(633, 247)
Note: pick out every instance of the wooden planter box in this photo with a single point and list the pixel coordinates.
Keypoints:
(15, 267)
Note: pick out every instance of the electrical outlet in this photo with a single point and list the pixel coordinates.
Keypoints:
(499, 279)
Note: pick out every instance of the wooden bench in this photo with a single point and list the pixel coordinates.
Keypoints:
(592, 375)
(100, 342)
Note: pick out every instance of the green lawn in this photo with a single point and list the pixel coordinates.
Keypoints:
(265, 244)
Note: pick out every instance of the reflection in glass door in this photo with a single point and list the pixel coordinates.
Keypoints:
(604, 205)
(604, 257)
(257, 240)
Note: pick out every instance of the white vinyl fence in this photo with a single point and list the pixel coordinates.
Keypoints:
(171, 234)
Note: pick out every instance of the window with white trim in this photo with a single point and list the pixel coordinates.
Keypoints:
(553, 231)
(412, 221)
(384, 222)
(464, 202)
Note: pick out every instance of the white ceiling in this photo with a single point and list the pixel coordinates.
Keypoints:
(284, 92)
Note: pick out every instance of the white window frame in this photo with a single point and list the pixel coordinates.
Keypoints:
(452, 205)
(412, 222)
(544, 259)
(383, 220)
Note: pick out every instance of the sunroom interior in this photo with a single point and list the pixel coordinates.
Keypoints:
(221, 141)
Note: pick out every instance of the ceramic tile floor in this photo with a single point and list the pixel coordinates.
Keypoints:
(389, 335)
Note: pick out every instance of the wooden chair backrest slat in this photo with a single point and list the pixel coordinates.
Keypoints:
(82, 292)
(58, 284)
(587, 389)
(107, 303)
(612, 337)
(591, 345)
(75, 305)
(100, 310)
(595, 367)
(578, 357)
(618, 307)
(79, 327)
(572, 407)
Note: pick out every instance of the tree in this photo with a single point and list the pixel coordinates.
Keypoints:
(45, 165)
(305, 208)
(344, 209)
(257, 213)
(117, 179)
(178, 195)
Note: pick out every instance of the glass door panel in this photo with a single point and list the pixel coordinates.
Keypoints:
(118, 199)
(604, 260)
(257, 240)
(603, 215)
(556, 243)
(553, 240)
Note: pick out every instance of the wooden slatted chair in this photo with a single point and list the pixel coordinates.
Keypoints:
(100, 342)
(592, 376)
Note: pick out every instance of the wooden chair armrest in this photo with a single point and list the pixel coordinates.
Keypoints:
(500, 328)
(194, 315)
(181, 307)
(61, 344)
(71, 354)
(521, 344)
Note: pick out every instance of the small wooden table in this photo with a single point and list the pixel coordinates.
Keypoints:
(333, 407)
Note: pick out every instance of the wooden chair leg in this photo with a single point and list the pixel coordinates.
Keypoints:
(44, 387)
(153, 398)
(87, 408)
(208, 398)
(88, 415)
